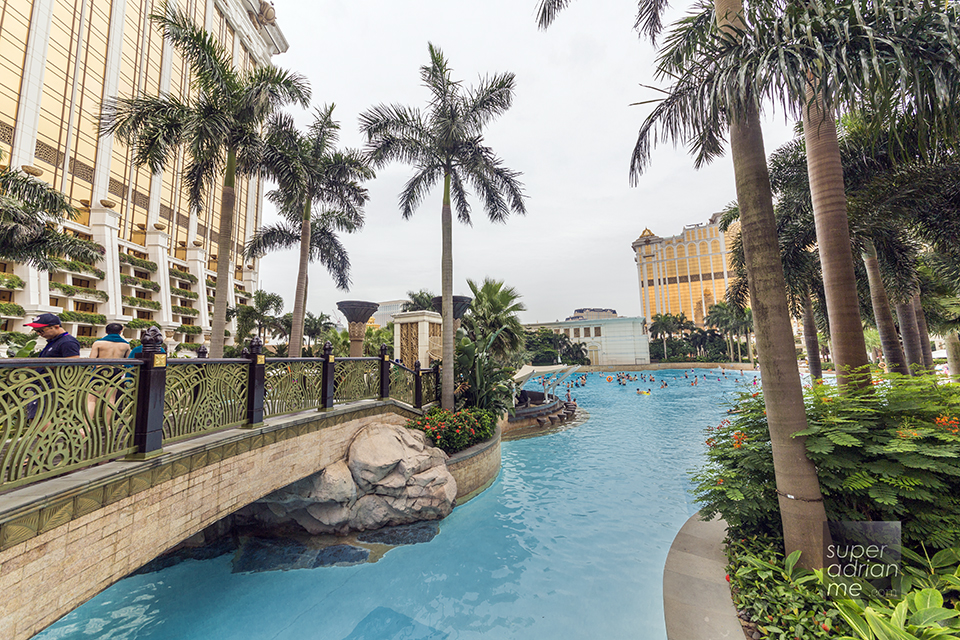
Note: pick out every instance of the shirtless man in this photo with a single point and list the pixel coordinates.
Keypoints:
(113, 347)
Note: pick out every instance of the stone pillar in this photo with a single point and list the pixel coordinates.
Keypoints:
(357, 314)
(416, 336)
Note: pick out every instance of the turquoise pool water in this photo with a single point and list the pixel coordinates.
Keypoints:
(568, 543)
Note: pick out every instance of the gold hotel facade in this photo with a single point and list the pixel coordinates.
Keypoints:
(59, 61)
(685, 273)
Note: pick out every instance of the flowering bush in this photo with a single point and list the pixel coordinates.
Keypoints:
(454, 432)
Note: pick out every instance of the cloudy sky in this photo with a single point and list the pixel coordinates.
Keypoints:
(570, 132)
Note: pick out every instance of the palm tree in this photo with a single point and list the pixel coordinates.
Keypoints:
(494, 308)
(219, 127)
(258, 315)
(663, 325)
(446, 142)
(315, 326)
(691, 114)
(30, 214)
(419, 301)
(310, 172)
(721, 317)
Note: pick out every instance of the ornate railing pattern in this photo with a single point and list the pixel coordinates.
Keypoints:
(429, 384)
(63, 417)
(202, 396)
(291, 385)
(402, 384)
(356, 379)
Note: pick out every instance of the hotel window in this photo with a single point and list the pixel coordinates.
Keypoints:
(586, 332)
(576, 332)
(596, 332)
(566, 332)
(84, 307)
(85, 332)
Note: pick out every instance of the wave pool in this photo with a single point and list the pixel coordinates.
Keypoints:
(569, 542)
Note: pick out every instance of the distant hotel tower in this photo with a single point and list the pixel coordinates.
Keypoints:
(686, 273)
(61, 59)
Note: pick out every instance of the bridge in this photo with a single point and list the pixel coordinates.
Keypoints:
(106, 464)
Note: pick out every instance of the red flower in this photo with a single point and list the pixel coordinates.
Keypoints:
(728, 577)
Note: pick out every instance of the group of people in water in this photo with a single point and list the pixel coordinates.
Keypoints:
(691, 377)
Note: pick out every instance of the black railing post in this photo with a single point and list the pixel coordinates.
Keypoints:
(326, 380)
(384, 372)
(148, 430)
(202, 352)
(417, 385)
(255, 384)
(436, 383)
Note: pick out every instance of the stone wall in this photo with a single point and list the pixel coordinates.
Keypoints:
(136, 511)
(475, 468)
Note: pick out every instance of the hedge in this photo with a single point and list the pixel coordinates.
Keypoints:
(132, 301)
(70, 290)
(146, 265)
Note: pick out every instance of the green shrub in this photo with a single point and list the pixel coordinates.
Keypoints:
(211, 284)
(189, 346)
(183, 293)
(69, 290)
(11, 309)
(79, 267)
(146, 265)
(185, 311)
(140, 282)
(454, 432)
(11, 281)
(210, 299)
(889, 452)
(189, 329)
(134, 343)
(15, 337)
(132, 301)
(140, 323)
(183, 275)
(83, 318)
(86, 341)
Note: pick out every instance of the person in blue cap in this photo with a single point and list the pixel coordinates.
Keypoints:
(60, 344)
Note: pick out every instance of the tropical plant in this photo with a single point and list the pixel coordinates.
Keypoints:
(482, 382)
(219, 126)
(30, 215)
(419, 301)
(259, 315)
(455, 431)
(663, 325)
(310, 172)
(446, 142)
(494, 308)
(373, 338)
(315, 326)
(544, 347)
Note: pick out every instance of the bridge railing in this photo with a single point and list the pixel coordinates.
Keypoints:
(59, 415)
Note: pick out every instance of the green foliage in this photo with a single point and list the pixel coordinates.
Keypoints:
(480, 380)
(783, 601)
(78, 267)
(69, 290)
(140, 282)
(419, 301)
(86, 341)
(210, 299)
(146, 265)
(183, 275)
(11, 309)
(183, 293)
(11, 281)
(15, 337)
(83, 318)
(189, 346)
(211, 284)
(454, 432)
(890, 452)
(25, 350)
(544, 346)
(140, 323)
(494, 308)
(189, 329)
(373, 338)
(132, 301)
(185, 311)
(134, 343)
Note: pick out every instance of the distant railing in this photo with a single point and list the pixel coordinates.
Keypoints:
(59, 415)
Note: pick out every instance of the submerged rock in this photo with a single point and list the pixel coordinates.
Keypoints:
(391, 476)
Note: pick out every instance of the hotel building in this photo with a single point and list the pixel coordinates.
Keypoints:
(61, 59)
(685, 273)
(608, 340)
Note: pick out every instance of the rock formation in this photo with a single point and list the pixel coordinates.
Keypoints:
(391, 476)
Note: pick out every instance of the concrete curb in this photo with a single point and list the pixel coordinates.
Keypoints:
(696, 594)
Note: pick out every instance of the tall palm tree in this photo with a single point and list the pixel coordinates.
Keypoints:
(219, 127)
(419, 301)
(260, 314)
(494, 308)
(663, 325)
(310, 172)
(314, 326)
(691, 114)
(446, 142)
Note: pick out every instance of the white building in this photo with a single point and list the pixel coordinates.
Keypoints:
(608, 341)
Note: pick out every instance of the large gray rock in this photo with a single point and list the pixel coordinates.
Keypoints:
(391, 476)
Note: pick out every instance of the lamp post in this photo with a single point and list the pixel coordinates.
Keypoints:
(357, 313)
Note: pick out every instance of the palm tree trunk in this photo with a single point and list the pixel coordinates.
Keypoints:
(925, 349)
(750, 351)
(953, 356)
(730, 346)
(889, 340)
(739, 352)
(810, 339)
(300, 297)
(224, 265)
(446, 274)
(907, 317)
(833, 240)
(664, 347)
(801, 504)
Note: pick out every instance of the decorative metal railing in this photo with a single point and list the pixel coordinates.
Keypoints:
(64, 416)
(356, 379)
(402, 384)
(204, 395)
(291, 385)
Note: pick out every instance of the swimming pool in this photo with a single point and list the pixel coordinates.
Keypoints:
(568, 543)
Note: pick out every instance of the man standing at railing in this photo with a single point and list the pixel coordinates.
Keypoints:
(60, 344)
(111, 346)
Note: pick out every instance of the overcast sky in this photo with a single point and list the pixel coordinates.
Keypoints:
(570, 132)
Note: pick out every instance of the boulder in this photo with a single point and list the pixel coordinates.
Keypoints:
(391, 476)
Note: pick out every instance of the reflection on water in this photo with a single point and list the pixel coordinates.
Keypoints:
(569, 543)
